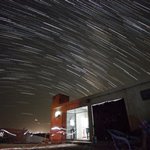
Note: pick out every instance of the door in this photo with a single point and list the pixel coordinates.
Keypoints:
(109, 115)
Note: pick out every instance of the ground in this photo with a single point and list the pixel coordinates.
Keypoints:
(102, 146)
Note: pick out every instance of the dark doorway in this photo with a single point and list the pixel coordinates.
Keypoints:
(109, 115)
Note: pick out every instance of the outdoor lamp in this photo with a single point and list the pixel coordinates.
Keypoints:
(57, 114)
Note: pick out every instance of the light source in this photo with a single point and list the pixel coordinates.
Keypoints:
(57, 113)
(1, 134)
(72, 123)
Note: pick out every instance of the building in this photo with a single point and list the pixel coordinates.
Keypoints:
(122, 109)
(11, 135)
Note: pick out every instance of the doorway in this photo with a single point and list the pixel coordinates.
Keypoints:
(109, 115)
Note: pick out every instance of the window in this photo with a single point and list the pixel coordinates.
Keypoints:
(78, 124)
(145, 94)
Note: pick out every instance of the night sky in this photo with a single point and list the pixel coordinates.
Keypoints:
(73, 47)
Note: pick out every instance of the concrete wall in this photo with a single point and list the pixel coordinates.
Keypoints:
(137, 109)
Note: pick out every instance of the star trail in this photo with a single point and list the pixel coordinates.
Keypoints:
(73, 47)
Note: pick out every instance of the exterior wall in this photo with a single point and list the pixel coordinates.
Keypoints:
(60, 121)
(137, 109)
(60, 103)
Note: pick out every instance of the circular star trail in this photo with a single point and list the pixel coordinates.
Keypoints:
(73, 47)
